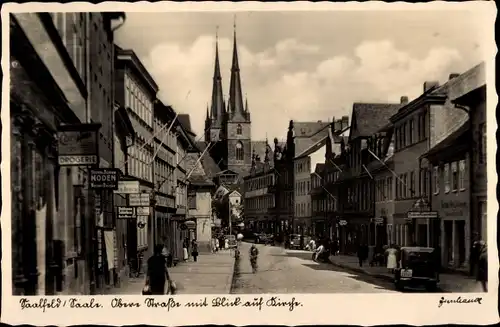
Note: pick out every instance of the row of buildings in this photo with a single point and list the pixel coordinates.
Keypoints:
(101, 169)
(408, 173)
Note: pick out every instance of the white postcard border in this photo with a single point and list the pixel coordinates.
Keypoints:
(359, 309)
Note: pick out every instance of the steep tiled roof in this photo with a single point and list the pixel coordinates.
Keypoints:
(371, 117)
(198, 175)
(306, 129)
(185, 121)
(209, 165)
(304, 143)
(319, 168)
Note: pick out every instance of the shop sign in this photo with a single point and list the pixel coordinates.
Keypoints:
(77, 144)
(422, 214)
(142, 211)
(104, 178)
(342, 222)
(379, 220)
(126, 213)
(139, 200)
(128, 187)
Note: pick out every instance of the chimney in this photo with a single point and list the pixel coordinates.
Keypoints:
(404, 99)
(453, 75)
(430, 85)
(345, 122)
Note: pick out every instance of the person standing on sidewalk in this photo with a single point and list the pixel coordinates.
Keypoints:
(194, 249)
(157, 274)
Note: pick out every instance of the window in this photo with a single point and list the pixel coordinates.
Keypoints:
(454, 176)
(412, 183)
(239, 151)
(435, 179)
(192, 200)
(406, 186)
(389, 188)
(461, 178)
(411, 131)
(446, 178)
(482, 143)
(238, 129)
(423, 190)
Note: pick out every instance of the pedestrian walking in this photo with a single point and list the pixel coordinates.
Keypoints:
(157, 276)
(185, 247)
(482, 266)
(194, 248)
(392, 262)
(362, 254)
(216, 244)
(221, 242)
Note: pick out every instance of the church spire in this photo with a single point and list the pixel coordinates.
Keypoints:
(208, 115)
(217, 109)
(235, 94)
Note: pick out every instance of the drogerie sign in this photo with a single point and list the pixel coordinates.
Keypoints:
(104, 178)
(77, 144)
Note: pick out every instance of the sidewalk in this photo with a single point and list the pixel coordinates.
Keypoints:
(211, 274)
(448, 282)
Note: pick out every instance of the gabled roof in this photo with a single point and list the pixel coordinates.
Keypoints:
(308, 129)
(185, 121)
(305, 145)
(368, 118)
(319, 168)
(198, 176)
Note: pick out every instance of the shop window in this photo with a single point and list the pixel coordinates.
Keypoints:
(446, 177)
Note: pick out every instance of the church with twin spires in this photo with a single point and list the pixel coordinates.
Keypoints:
(228, 126)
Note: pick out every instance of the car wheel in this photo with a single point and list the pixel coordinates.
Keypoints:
(399, 286)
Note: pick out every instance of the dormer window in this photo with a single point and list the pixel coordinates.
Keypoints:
(238, 129)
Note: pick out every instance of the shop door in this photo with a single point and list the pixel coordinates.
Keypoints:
(448, 242)
(422, 235)
(460, 225)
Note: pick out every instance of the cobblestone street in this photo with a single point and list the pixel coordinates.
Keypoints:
(292, 271)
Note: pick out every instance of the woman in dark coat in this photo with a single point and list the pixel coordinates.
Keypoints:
(157, 274)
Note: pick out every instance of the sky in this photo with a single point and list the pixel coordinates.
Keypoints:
(301, 65)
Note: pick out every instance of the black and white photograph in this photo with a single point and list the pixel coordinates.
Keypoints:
(248, 151)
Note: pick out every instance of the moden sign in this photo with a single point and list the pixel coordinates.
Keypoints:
(104, 178)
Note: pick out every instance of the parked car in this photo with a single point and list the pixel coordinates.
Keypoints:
(295, 242)
(418, 266)
(260, 238)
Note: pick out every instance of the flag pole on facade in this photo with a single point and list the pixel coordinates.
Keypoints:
(163, 138)
(333, 197)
